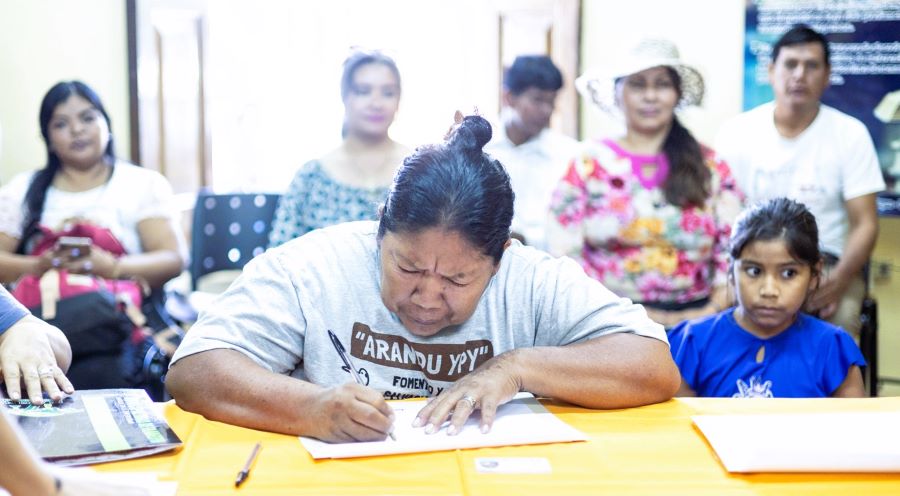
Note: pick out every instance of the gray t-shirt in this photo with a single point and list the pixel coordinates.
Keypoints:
(280, 308)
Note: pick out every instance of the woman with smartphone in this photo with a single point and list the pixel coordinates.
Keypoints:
(126, 212)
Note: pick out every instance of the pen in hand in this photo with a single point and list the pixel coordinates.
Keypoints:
(245, 472)
(348, 366)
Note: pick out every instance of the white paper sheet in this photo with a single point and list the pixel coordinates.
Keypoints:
(810, 442)
(148, 480)
(521, 421)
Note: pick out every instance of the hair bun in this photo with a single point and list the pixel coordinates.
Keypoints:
(471, 134)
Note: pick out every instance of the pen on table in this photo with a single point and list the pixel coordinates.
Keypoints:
(348, 366)
(245, 472)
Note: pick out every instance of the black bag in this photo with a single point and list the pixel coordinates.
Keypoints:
(148, 360)
(92, 322)
(115, 328)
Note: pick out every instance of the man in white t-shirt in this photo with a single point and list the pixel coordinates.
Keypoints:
(534, 155)
(799, 148)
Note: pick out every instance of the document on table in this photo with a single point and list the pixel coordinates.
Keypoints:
(809, 442)
(94, 426)
(523, 420)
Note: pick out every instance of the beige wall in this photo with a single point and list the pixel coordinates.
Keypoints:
(708, 33)
(45, 41)
(886, 289)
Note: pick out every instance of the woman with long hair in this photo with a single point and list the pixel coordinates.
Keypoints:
(648, 213)
(83, 187)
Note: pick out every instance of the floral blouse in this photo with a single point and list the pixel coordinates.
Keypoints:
(617, 223)
(314, 199)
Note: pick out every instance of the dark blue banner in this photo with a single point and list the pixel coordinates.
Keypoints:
(864, 37)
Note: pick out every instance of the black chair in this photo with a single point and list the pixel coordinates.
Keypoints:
(868, 343)
(228, 230)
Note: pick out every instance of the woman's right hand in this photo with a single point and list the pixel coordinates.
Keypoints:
(47, 260)
(28, 361)
(352, 412)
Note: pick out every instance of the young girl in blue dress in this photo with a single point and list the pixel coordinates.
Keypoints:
(764, 346)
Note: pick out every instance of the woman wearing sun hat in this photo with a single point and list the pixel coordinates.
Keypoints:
(648, 213)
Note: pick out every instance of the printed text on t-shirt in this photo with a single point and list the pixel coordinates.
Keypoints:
(440, 362)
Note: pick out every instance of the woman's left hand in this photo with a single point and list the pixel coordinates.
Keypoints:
(485, 389)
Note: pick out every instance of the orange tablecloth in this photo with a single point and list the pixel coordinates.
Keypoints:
(648, 450)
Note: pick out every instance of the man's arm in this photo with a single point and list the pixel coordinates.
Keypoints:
(227, 386)
(862, 216)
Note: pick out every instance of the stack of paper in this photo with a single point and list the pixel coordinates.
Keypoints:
(811, 442)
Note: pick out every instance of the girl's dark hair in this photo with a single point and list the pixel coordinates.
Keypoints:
(37, 190)
(688, 182)
(779, 218)
(454, 186)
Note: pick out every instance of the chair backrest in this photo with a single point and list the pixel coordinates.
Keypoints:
(868, 343)
(228, 230)
(868, 334)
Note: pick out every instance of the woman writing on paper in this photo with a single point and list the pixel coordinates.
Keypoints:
(434, 299)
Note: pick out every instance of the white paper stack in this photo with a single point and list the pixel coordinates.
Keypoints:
(808, 442)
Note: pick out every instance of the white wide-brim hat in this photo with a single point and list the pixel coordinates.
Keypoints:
(599, 85)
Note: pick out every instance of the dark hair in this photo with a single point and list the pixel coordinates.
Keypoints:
(798, 35)
(778, 218)
(688, 182)
(529, 71)
(454, 186)
(37, 190)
